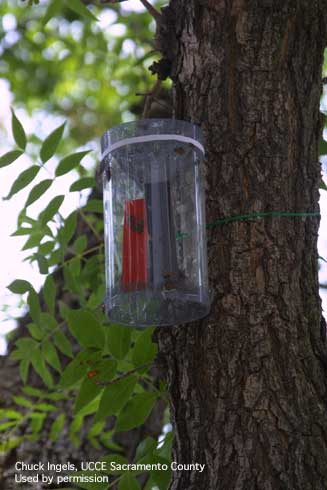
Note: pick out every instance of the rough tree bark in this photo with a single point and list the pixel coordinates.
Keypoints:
(248, 384)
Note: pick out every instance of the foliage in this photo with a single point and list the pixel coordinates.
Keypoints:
(109, 375)
(60, 61)
(73, 66)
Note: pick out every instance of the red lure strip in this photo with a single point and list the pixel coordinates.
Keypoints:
(135, 240)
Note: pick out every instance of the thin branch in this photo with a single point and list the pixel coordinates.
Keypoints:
(122, 376)
(152, 11)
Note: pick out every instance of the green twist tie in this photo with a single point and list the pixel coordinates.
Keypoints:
(240, 217)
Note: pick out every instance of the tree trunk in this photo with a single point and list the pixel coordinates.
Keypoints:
(248, 384)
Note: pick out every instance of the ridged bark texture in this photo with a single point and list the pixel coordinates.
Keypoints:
(248, 385)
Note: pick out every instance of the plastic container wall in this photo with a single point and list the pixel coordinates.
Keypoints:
(155, 234)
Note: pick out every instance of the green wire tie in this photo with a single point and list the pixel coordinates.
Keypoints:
(241, 217)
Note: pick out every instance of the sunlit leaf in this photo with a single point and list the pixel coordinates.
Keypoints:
(51, 209)
(38, 191)
(18, 131)
(68, 230)
(19, 286)
(70, 162)
(57, 427)
(10, 157)
(23, 180)
(83, 183)
(51, 143)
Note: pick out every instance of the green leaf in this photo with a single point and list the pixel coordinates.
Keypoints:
(145, 350)
(68, 230)
(94, 206)
(34, 306)
(36, 331)
(71, 161)
(45, 407)
(7, 425)
(128, 482)
(118, 340)
(49, 353)
(97, 297)
(63, 344)
(72, 374)
(86, 328)
(49, 293)
(23, 180)
(9, 157)
(10, 414)
(57, 427)
(162, 477)
(77, 368)
(322, 147)
(90, 387)
(23, 370)
(47, 321)
(166, 448)
(42, 263)
(46, 247)
(37, 421)
(135, 412)
(10, 444)
(18, 131)
(19, 286)
(80, 244)
(79, 7)
(26, 347)
(52, 141)
(323, 185)
(115, 397)
(41, 369)
(96, 429)
(33, 240)
(22, 401)
(51, 209)
(31, 391)
(38, 191)
(145, 448)
(52, 10)
(88, 391)
(83, 183)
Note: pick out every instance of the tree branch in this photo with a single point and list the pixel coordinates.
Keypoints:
(152, 11)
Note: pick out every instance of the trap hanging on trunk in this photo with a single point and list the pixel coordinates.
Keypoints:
(155, 236)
